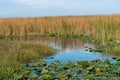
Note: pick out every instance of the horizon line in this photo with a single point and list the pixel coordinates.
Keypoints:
(82, 15)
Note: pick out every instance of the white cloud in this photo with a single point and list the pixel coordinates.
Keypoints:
(25, 2)
(65, 3)
(37, 3)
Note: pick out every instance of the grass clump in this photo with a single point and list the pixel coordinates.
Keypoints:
(14, 53)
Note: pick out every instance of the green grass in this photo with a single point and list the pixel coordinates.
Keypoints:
(13, 53)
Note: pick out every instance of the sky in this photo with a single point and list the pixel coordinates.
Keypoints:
(37, 8)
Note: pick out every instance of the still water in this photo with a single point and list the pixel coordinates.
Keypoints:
(69, 49)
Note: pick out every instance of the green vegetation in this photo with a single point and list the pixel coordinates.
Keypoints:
(101, 30)
(13, 53)
(81, 70)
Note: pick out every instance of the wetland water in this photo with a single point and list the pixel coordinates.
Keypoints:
(70, 62)
(73, 50)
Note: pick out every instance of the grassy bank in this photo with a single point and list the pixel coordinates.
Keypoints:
(100, 29)
(12, 54)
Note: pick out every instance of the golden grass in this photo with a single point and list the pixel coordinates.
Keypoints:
(103, 29)
(100, 27)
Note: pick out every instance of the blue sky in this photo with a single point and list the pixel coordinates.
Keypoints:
(34, 8)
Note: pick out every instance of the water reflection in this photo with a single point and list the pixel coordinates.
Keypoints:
(71, 50)
(65, 43)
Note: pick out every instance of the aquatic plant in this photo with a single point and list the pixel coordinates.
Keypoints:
(80, 70)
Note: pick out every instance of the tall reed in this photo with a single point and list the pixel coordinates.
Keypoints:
(100, 27)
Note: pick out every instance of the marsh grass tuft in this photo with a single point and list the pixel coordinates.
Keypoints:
(14, 53)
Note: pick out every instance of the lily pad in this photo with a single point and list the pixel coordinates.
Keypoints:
(44, 71)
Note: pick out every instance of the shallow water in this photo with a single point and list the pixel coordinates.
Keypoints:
(69, 49)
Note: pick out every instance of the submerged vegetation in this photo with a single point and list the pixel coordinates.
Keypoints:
(103, 30)
(13, 53)
(81, 70)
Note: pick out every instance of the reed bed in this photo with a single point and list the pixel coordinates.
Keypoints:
(99, 27)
